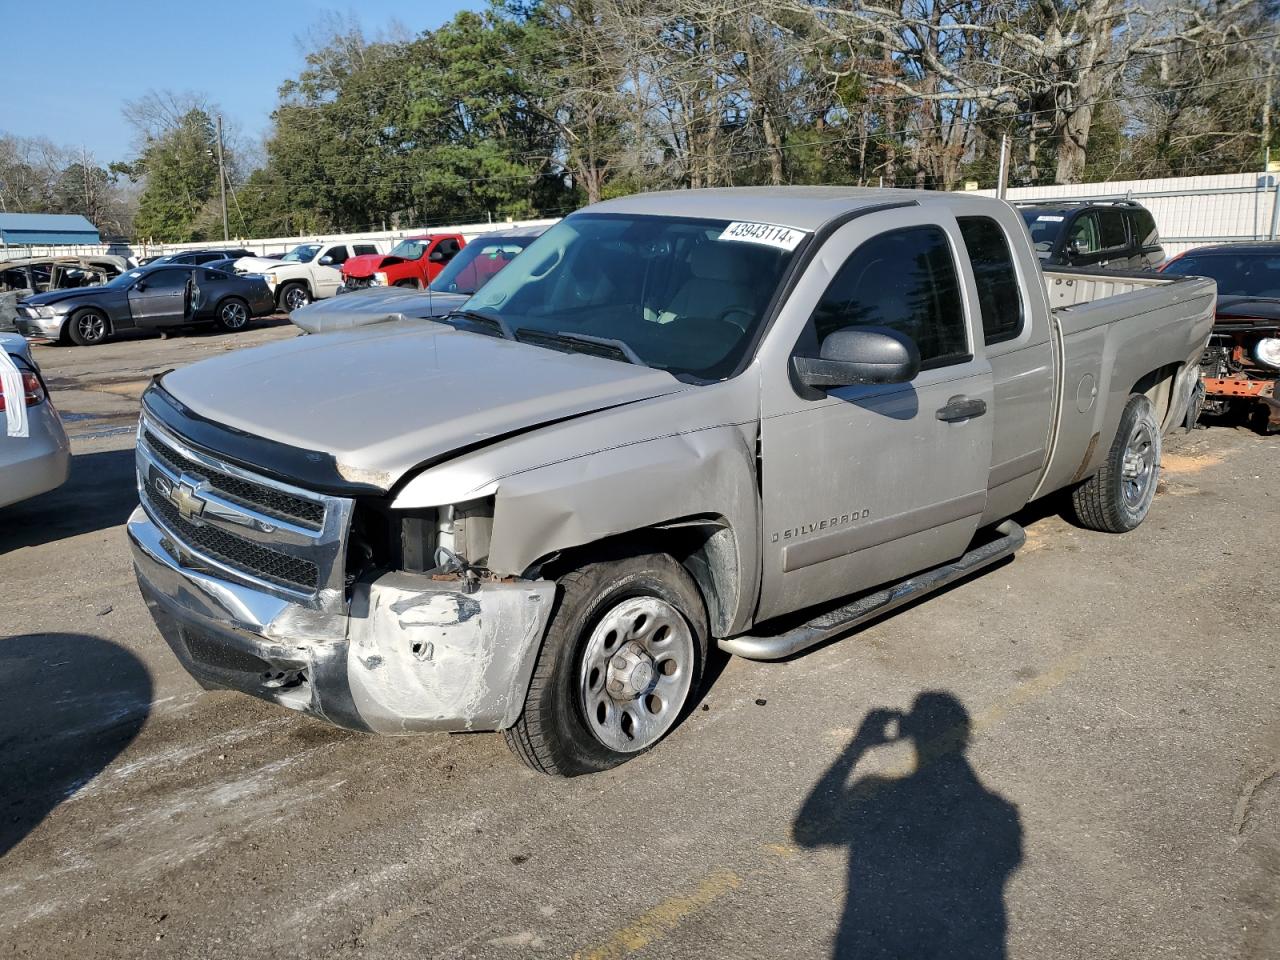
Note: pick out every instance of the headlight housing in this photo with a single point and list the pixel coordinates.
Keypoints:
(45, 312)
(270, 278)
(432, 539)
(1267, 352)
(379, 279)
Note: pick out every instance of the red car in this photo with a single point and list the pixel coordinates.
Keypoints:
(414, 262)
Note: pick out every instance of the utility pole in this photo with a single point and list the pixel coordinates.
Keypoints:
(1002, 184)
(222, 184)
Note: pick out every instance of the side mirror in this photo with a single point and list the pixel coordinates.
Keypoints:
(435, 256)
(860, 355)
(326, 261)
(140, 285)
(1079, 246)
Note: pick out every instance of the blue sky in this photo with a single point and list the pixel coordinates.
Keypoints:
(70, 66)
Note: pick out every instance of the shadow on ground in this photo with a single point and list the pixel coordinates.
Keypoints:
(72, 703)
(100, 493)
(930, 852)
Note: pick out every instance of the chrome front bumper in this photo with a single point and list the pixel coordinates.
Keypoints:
(412, 655)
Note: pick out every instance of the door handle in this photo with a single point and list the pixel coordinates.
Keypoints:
(961, 408)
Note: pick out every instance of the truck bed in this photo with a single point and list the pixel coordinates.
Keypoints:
(1112, 331)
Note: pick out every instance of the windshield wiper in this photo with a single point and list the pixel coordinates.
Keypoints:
(615, 347)
(475, 316)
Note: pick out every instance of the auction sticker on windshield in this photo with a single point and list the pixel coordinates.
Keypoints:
(1046, 218)
(770, 234)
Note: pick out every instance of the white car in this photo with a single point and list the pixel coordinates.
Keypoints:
(310, 271)
(38, 462)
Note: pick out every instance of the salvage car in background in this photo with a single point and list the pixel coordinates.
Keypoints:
(152, 297)
(39, 461)
(476, 265)
(676, 419)
(310, 271)
(413, 262)
(31, 275)
(1242, 362)
(1100, 234)
(198, 257)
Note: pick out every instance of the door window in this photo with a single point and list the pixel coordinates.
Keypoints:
(337, 256)
(1083, 239)
(905, 280)
(1111, 229)
(166, 281)
(998, 292)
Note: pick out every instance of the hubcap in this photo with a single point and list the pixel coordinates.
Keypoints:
(635, 673)
(1139, 467)
(233, 315)
(295, 298)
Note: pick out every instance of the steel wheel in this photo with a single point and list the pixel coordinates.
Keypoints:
(636, 672)
(1139, 465)
(296, 297)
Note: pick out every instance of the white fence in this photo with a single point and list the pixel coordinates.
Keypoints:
(385, 238)
(1189, 211)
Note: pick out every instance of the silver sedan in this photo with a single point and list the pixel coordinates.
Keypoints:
(39, 461)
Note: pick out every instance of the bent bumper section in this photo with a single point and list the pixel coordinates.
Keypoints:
(413, 654)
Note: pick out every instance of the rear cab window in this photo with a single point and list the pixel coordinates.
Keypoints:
(999, 295)
(364, 249)
(905, 280)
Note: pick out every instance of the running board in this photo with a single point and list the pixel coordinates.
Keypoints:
(834, 622)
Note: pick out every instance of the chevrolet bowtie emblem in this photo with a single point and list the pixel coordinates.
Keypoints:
(183, 496)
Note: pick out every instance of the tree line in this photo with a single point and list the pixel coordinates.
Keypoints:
(532, 107)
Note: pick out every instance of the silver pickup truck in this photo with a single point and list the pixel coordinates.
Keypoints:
(753, 417)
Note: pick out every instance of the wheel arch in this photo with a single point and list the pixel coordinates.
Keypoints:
(706, 546)
(106, 315)
(1160, 386)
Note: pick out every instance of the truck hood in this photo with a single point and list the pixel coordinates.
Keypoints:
(258, 264)
(376, 305)
(385, 399)
(367, 264)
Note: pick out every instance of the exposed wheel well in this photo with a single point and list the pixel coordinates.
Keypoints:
(705, 546)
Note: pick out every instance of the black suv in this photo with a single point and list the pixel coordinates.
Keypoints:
(198, 256)
(1112, 234)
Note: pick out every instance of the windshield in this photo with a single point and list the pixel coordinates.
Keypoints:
(302, 253)
(1045, 225)
(1242, 274)
(127, 278)
(683, 295)
(477, 264)
(410, 249)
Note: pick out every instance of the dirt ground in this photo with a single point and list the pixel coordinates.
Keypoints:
(1118, 794)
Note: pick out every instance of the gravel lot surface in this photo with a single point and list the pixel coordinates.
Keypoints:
(1119, 794)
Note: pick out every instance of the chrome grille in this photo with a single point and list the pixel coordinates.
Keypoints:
(273, 502)
(259, 561)
(219, 518)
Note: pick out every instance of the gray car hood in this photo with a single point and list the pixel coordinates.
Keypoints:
(384, 399)
(378, 305)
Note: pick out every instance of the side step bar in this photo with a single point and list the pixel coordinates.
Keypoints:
(834, 622)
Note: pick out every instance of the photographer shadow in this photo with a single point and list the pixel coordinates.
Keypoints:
(929, 852)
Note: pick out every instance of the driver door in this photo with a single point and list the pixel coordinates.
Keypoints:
(863, 485)
(158, 299)
(329, 275)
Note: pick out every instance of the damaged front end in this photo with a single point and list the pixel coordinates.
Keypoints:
(330, 605)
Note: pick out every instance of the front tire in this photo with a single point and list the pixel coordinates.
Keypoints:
(1117, 498)
(620, 663)
(233, 314)
(294, 296)
(88, 328)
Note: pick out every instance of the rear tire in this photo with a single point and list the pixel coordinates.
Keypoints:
(88, 328)
(1117, 498)
(232, 315)
(621, 662)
